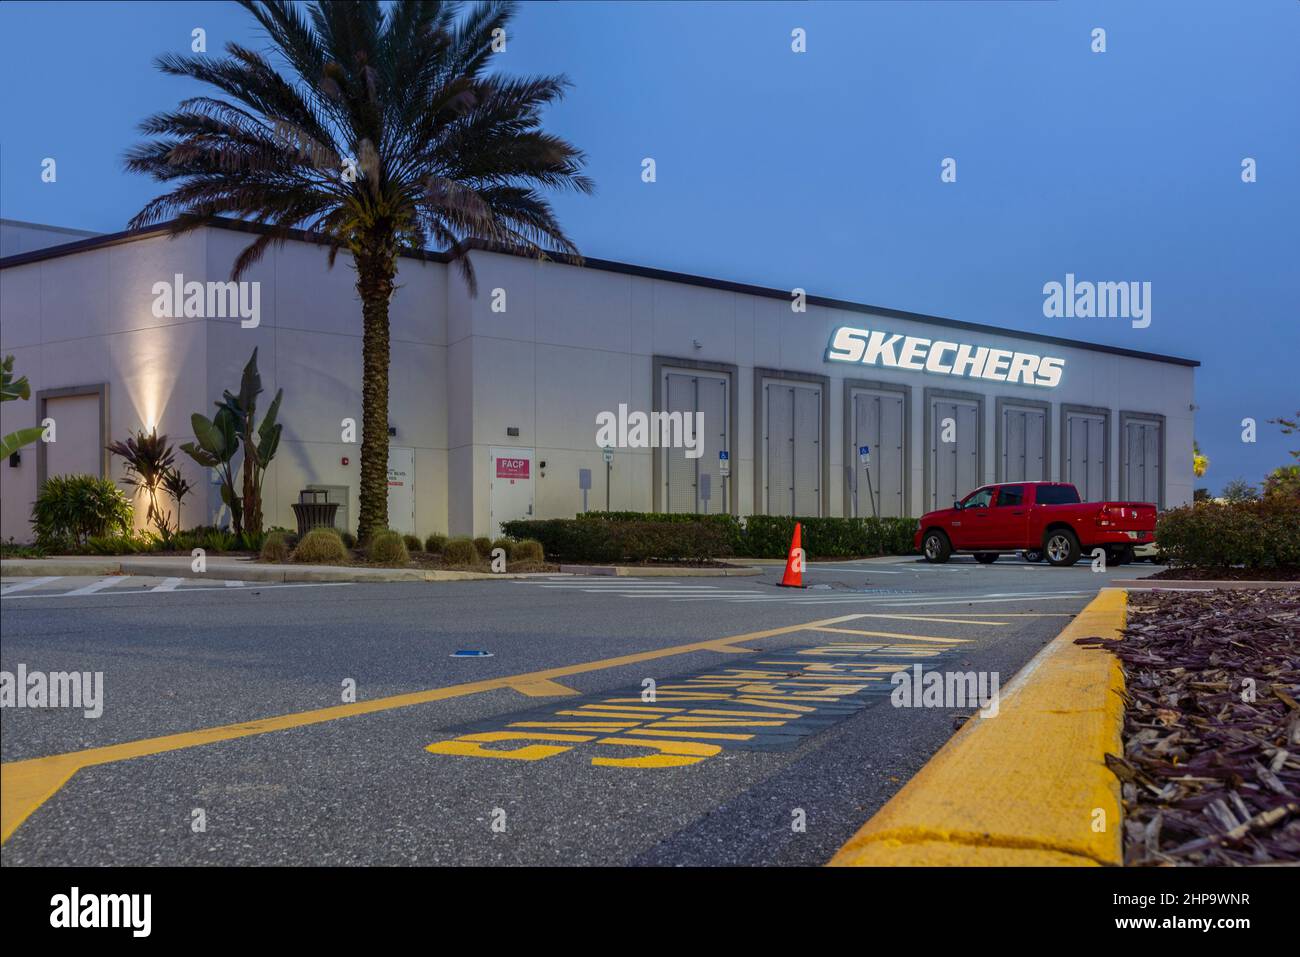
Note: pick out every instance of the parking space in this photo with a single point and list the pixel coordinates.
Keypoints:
(117, 586)
(618, 721)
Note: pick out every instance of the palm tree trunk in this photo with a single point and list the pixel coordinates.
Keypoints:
(376, 269)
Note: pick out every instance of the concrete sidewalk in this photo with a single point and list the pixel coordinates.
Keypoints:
(227, 567)
(247, 569)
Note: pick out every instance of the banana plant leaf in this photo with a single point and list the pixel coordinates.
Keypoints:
(14, 441)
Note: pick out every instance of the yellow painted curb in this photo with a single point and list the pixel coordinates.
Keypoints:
(1029, 786)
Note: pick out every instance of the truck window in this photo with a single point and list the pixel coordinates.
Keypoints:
(1057, 495)
(978, 499)
(1011, 495)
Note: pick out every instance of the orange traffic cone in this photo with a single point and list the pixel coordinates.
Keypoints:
(793, 577)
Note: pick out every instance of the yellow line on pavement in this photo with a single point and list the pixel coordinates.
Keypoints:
(946, 621)
(894, 634)
(27, 784)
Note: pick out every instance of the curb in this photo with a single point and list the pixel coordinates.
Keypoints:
(624, 571)
(240, 569)
(1023, 788)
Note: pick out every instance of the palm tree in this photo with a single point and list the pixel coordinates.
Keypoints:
(385, 131)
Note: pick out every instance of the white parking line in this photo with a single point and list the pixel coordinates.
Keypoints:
(168, 584)
(180, 591)
(96, 586)
(33, 583)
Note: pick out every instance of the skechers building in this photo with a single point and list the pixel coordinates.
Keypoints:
(496, 400)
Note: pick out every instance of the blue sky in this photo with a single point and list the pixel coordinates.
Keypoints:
(821, 169)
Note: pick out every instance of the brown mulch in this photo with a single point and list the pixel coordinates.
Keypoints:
(1211, 771)
(1229, 574)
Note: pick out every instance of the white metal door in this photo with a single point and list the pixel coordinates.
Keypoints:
(401, 490)
(511, 474)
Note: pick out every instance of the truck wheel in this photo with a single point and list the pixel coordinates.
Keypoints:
(1034, 555)
(986, 558)
(1062, 547)
(936, 547)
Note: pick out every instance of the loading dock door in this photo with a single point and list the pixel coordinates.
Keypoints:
(1141, 464)
(792, 453)
(1024, 444)
(878, 424)
(706, 394)
(1085, 456)
(954, 465)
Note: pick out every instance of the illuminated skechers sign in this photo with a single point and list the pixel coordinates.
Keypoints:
(917, 354)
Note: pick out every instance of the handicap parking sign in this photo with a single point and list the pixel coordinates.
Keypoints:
(864, 454)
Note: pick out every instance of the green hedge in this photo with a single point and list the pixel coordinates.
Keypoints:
(575, 539)
(768, 536)
(1262, 534)
(635, 536)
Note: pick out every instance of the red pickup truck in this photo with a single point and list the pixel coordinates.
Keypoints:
(1038, 518)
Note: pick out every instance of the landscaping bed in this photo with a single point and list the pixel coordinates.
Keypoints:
(1210, 773)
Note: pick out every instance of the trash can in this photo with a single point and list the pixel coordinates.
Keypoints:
(314, 510)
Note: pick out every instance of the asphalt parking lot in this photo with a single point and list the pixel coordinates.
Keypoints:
(227, 735)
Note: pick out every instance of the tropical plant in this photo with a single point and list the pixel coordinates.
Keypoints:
(12, 389)
(259, 442)
(1288, 427)
(214, 447)
(385, 131)
(1283, 482)
(70, 509)
(148, 461)
(177, 486)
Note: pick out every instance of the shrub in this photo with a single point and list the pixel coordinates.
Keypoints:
(275, 548)
(483, 545)
(130, 543)
(768, 536)
(506, 545)
(732, 526)
(434, 543)
(612, 541)
(388, 547)
(413, 544)
(349, 540)
(69, 509)
(529, 550)
(321, 546)
(460, 551)
(1260, 534)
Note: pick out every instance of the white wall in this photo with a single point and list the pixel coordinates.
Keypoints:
(572, 342)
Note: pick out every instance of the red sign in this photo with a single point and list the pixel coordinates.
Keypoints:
(512, 468)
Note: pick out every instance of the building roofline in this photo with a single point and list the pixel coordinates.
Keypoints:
(605, 265)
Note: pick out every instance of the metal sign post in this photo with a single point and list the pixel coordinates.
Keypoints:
(864, 458)
(609, 467)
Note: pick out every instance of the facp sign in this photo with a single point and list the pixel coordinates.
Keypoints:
(918, 354)
(512, 468)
